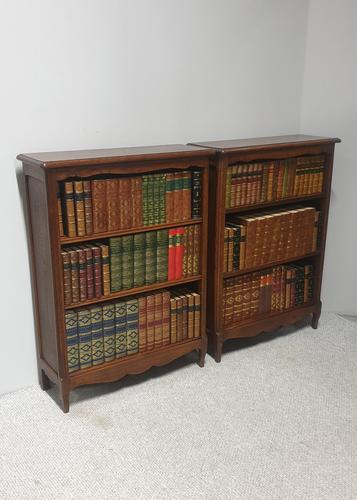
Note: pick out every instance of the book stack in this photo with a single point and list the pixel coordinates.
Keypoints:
(154, 256)
(102, 333)
(265, 237)
(87, 207)
(271, 290)
(266, 181)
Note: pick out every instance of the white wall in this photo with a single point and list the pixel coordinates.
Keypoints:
(329, 107)
(94, 73)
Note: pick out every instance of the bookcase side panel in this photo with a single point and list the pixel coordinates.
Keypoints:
(42, 272)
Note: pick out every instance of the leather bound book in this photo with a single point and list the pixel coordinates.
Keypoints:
(88, 213)
(113, 204)
(139, 260)
(196, 194)
(72, 341)
(225, 250)
(269, 290)
(128, 261)
(283, 288)
(79, 208)
(67, 279)
(197, 316)
(96, 317)
(242, 247)
(74, 274)
(156, 196)
(109, 332)
(196, 249)
(279, 187)
(162, 255)
(190, 237)
(94, 271)
(165, 317)
(262, 292)
(120, 330)
(104, 254)
(236, 243)
(150, 321)
(150, 198)
(162, 198)
(158, 320)
(172, 255)
(179, 250)
(247, 290)
(186, 195)
(185, 254)
(229, 302)
(190, 315)
(124, 193)
(170, 189)
(82, 273)
(173, 320)
(288, 287)
(254, 300)
(150, 257)
(70, 218)
(116, 264)
(99, 202)
(273, 289)
(230, 249)
(244, 185)
(184, 316)
(85, 338)
(142, 323)
(179, 317)
(136, 200)
(178, 201)
(145, 200)
(238, 299)
(237, 192)
(264, 186)
(132, 323)
(60, 217)
(234, 184)
(228, 197)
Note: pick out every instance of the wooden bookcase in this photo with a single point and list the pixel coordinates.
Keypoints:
(43, 172)
(249, 150)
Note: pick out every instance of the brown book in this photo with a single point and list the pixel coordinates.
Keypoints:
(230, 249)
(184, 316)
(82, 273)
(79, 208)
(225, 249)
(89, 272)
(229, 301)
(238, 300)
(142, 324)
(185, 254)
(67, 279)
(190, 315)
(262, 292)
(105, 268)
(97, 271)
(190, 248)
(288, 287)
(99, 203)
(88, 215)
(173, 320)
(59, 212)
(186, 182)
(158, 320)
(179, 318)
(238, 189)
(70, 213)
(197, 316)
(247, 296)
(124, 190)
(150, 322)
(234, 184)
(178, 201)
(136, 199)
(254, 299)
(165, 317)
(74, 274)
(196, 248)
(113, 204)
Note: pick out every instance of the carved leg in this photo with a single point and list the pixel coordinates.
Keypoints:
(315, 318)
(64, 397)
(44, 381)
(216, 345)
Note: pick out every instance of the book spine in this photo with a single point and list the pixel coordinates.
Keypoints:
(184, 317)
(71, 323)
(125, 197)
(162, 255)
(197, 316)
(88, 214)
(120, 329)
(170, 189)
(178, 201)
(139, 260)
(67, 279)
(173, 320)
(99, 202)
(196, 194)
(85, 338)
(230, 249)
(150, 322)
(186, 195)
(128, 261)
(136, 197)
(104, 250)
(113, 204)
(145, 201)
(242, 248)
(150, 198)
(109, 332)
(132, 320)
(172, 254)
(228, 187)
(74, 275)
(82, 274)
(79, 208)
(70, 212)
(150, 257)
(179, 318)
(60, 216)
(158, 333)
(162, 197)
(238, 300)
(96, 316)
(190, 316)
(247, 289)
(97, 271)
(156, 200)
(254, 301)
(179, 250)
(229, 301)
(185, 254)
(142, 324)
(116, 271)
(196, 249)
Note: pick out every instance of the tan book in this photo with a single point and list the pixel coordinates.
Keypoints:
(70, 212)
(165, 317)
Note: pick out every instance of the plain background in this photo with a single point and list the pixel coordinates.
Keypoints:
(93, 74)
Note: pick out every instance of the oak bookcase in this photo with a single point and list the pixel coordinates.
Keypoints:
(228, 152)
(43, 172)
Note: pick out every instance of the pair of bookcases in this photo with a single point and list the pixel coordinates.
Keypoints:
(217, 165)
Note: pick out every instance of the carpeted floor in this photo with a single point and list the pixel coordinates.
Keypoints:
(275, 420)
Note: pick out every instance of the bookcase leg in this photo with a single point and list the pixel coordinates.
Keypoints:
(64, 397)
(44, 381)
(315, 318)
(216, 346)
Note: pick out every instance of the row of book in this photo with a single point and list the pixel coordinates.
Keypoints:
(252, 183)
(88, 207)
(272, 290)
(102, 333)
(261, 238)
(97, 269)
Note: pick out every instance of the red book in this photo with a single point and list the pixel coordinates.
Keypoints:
(172, 254)
(179, 251)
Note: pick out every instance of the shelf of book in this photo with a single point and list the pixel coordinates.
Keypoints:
(277, 203)
(231, 274)
(64, 240)
(135, 291)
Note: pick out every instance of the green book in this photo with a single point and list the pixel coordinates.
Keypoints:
(156, 192)
(109, 332)
(120, 329)
(144, 198)
(162, 196)
(150, 198)
(85, 338)
(128, 261)
(132, 321)
(162, 254)
(72, 340)
(96, 316)
(139, 259)
(150, 257)
(115, 249)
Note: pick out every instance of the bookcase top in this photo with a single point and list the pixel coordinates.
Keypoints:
(264, 142)
(59, 159)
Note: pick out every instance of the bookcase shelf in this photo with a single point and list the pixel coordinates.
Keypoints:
(135, 230)
(283, 150)
(135, 291)
(43, 174)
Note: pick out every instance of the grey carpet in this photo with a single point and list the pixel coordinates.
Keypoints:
(275, 420)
